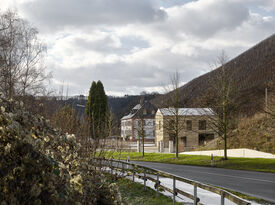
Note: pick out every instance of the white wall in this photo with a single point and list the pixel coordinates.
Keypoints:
(149, 128)
(126, 128)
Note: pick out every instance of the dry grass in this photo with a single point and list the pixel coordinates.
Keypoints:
(256, 132)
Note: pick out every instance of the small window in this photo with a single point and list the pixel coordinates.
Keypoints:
(171, 124)
(189, 125)
(202, 125)
(153, 112)
(183, 141)
(159, 125)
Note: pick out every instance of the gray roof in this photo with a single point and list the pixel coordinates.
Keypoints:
(128, 116)
(186, 111)
(137, 107)
(138, 110)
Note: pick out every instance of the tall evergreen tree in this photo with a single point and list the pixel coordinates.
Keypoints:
(91, 100)
(97, 110)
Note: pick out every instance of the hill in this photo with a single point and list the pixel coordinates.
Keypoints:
(256, 132)
(252, 72)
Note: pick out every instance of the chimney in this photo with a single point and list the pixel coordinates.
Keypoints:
(141, 101)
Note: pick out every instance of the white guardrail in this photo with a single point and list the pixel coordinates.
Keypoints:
(143, 172)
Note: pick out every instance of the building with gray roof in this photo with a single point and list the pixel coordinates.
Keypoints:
(131, 123)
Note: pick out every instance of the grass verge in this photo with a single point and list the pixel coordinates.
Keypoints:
(134, 193)
(250, 198)
(251, 164)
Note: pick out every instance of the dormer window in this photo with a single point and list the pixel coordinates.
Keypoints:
(144, 112)
(153, 112)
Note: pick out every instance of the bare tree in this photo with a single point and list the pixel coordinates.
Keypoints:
(174, 101)
(21, 56)
(33, 71)
(270, 100)
(10, 51)
(139, 128)
(66, 119)
(221, 97)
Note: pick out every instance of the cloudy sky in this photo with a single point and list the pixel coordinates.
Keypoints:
(135, 45)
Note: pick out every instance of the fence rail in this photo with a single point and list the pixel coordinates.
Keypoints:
(143, 172)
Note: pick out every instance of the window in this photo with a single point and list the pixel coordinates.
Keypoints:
(153, 112)
(202, 125)
(189, 125)
(159, 125)
(171, 124)
(144, 112)
(183, 141)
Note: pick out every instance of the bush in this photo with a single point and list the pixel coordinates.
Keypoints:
(39, 165)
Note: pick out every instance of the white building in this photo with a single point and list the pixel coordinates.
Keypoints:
(131, 124)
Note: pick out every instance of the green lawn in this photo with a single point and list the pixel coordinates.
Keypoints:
(134, 193)
(256, 164)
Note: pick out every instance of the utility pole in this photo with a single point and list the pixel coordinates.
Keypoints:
(266, 110)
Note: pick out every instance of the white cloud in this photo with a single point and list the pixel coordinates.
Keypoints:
(204, 18)
(53, 15)
(132, 46)
(267, 5)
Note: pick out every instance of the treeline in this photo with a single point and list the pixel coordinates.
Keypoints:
(54, 109)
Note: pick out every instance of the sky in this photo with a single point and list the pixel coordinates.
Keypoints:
(136, 45)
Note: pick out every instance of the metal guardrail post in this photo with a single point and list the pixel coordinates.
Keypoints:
(144, 170)
(224, 194)
(111, 167)
(158, 183)
(195, 194)
(133, 173)
(222, 198)
(128, 160)
(174, 190)
(212, 160)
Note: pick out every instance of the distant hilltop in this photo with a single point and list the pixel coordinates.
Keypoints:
(252, 72)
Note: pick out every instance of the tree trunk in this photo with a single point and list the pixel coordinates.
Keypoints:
(225, 148)
(142, 145)
(177, 133)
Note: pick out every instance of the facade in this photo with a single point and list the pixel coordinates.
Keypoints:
(194, 127)
(141, 118)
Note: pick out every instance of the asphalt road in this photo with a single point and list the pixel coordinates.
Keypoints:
(258, 184)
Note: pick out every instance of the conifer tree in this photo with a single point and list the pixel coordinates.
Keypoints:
(91, 100)
(97, 110)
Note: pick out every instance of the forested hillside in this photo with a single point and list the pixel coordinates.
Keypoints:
(119, 106)
(251, 73)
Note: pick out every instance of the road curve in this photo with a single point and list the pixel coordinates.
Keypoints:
(258, 184)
